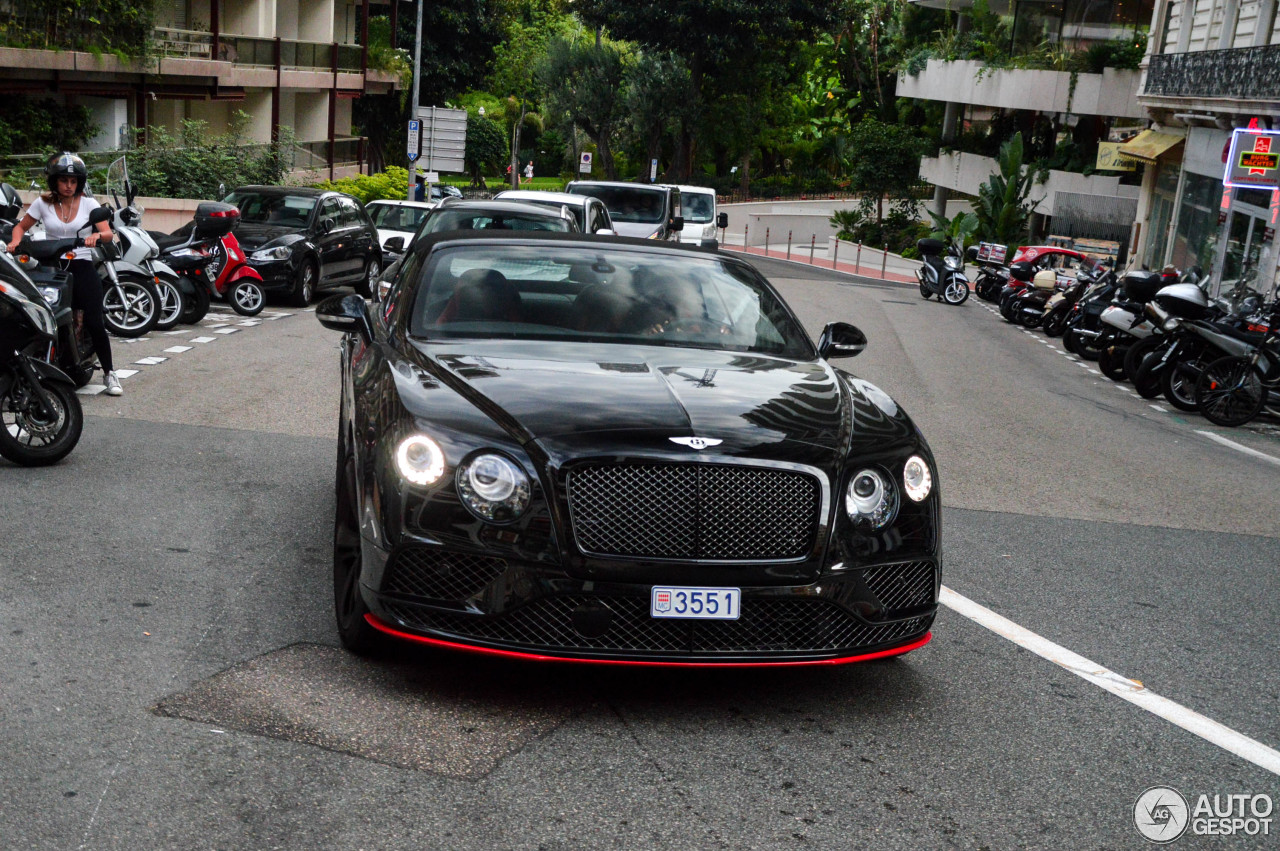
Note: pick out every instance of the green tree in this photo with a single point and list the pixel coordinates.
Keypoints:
(1003, 208)
(656, 99)
(585, 80)
(884, 160)
(29, 126)
(486, 147)
(959, 229)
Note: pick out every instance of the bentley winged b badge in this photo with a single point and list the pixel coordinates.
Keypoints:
(696, 442)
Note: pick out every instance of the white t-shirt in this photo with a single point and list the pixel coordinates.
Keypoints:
(56, 228)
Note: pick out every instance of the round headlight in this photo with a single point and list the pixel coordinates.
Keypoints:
(494, 488)
(420, 460)
(1171, 324)
(917, 481)
(871, 498)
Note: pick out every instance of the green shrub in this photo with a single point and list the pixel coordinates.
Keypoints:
(390, 185)
(193, 163)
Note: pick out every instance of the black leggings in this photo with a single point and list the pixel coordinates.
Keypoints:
(86, 295)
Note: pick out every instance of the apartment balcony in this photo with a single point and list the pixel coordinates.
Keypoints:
(1111, 93)
(1242, 75)
(963, 172)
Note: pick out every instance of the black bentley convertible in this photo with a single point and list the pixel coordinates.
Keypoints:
(602, 449)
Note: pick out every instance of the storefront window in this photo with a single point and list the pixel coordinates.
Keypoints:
(1162, 203)
(1195, 235)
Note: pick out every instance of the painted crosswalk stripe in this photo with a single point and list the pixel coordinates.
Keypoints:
(177, 350)
(151, 361)
(227, 331)
(203, 339)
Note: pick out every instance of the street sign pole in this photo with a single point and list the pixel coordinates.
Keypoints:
(413, 104)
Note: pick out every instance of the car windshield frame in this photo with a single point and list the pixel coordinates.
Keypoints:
(575, 210)
(615, 197)
(687, 209)
(376, 211)
(633, 297)
(270, 206)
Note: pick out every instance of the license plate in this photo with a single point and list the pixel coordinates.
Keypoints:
(720, 604)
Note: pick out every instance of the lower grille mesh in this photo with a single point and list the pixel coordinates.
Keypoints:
(440, 575)
(784, 624)
(902, 586)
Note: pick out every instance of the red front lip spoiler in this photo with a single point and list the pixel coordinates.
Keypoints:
(537, 657)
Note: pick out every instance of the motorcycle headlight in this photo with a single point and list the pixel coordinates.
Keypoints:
(51, 294)
(494, 488)
(280, 252)
(40, 316)
(420, 460)
(871, 499)
(917, 480)
(1171, 323)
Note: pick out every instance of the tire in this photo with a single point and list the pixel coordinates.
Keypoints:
(1008, 308)
(131, 308)
(247, 298)
(1178, 382)
(1084, 347)
(1137, 353)
(366, 285)
(955, 293)
(172, 305)
(304, 285)
(80, 375)
(1056, 324)
(1111, 363)
(1230, 391)
(348, 605)
(924, 292)
(28, 436)
(198, 307)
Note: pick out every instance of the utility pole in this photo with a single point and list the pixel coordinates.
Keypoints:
(413, 104)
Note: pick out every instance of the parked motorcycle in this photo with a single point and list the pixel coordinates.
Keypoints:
(942, 272)
(1057, 310)
(1233, 389)
(140, 250)
(210, 257)
(1084, 326)
(1124, 321)
(1029, 306)
(40, 415)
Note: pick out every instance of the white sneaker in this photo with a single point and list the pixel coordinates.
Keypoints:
(112, 384)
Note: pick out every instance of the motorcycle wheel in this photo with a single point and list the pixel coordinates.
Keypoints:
(247, 298)
(28, 435)
(196, 308)
(172, 305)
(131, 307)
(956, 292)
(1230, 392)
(80, 374)
(1179, 383)
(1056, 324)
(924, 291)
(1008, 309)
(1137, 353)
(1111, 363)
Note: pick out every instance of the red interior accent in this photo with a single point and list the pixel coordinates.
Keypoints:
(537, 657)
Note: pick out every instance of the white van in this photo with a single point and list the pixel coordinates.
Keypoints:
(701, 219)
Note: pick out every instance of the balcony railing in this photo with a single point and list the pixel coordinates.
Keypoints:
(1243, 73)
(261, 52)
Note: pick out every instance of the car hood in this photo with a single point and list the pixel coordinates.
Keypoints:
(571, 394)
(253, 236)
(639, 230)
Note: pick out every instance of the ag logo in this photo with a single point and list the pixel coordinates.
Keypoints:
(696, 442)
(1161, 814)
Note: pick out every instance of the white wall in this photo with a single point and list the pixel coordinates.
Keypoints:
(109, 115)
(966, 172)
(310, 116)
(1111, 93)
(287, 19)
(257, 103)
(315, 20)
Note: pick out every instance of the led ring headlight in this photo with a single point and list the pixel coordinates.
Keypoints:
(494, 488)
(420, 459)
(917, 481)
(871, 498)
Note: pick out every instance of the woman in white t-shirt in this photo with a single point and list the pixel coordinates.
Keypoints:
(64, 212)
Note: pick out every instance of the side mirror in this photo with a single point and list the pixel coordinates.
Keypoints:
(606, 232)
(326, 225)
(395, 243)
(840, 340)
(677, 223)
(722, 221)
(345, 313)
(99, 214)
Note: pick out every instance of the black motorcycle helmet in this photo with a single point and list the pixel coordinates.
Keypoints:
(65, 164)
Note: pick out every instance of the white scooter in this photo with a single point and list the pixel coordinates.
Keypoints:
(139, 250)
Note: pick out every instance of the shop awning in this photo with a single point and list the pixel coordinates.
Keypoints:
(1148, 145)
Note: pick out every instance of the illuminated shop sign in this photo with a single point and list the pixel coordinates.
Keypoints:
(1253, 160)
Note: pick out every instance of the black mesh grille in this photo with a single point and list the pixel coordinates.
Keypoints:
(770, 625)
(693, 511)
(440, 575)
(902, 586)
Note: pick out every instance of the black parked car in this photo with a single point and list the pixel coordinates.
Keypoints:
(575, 447)
(302, 240)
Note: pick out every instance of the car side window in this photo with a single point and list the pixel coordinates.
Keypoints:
(350, 213)
(329, 211)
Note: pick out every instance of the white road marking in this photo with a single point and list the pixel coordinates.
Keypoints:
(91, 389)
(249, 323)
(227, 331)
(1160, 409)
(176, 333)
(203, 339)
(151, 361)
(1126, 689)
(1270, 459)
(177, 350)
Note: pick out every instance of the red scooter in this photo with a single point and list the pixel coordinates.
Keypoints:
(210, 255)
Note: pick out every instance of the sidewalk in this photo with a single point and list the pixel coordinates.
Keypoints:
(867, 262)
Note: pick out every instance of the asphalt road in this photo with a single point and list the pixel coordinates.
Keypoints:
(170, 676)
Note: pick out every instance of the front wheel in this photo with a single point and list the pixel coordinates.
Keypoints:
(247, 298)
(1056, 322)
(1111, 363)
(957, 292)
(1230, 391)
(304, 285)
(30, 435)
(1179, 383)
(366, 285)
(172, 305)
(130, 307)
(348, 605)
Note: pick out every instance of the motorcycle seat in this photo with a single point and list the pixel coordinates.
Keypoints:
(165, 241)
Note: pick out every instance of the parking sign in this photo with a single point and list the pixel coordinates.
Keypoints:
(584, 164)
(415, 138)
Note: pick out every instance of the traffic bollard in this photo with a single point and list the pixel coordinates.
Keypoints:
(746, 246)
(766, 242)
(813, 239)
(788, 245)
(857, 264)
(835, 255)
(884, 258)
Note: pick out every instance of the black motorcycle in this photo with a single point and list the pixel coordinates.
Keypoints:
(40, 415)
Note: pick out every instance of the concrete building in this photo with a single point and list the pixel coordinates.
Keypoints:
(1095, 106)
(286, 63)
(1212, 66)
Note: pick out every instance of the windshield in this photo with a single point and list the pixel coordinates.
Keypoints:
(574, 210)
(698, 207)
(454, 219)
(289, 211)
(396, 216)
(551, 292)
(626, 204)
